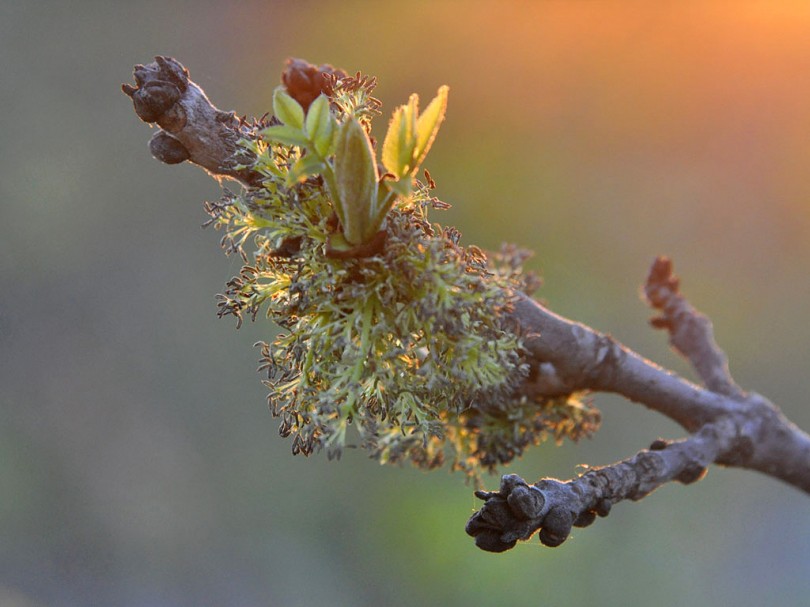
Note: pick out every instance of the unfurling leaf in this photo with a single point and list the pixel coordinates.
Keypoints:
(428, 125)
(288, 135)
(356, 181)
(410, 136)
(398, 147)
(320, 125)
(287, 109)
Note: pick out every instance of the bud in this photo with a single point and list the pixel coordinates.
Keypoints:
(320, 126)
(356, 181)
(409, 138)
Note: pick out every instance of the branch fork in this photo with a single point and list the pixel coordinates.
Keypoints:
(726, 425)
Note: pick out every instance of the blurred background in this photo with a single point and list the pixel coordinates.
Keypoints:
(139, 465)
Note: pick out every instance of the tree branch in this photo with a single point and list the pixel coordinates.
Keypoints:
(553, 507)
(727, 426)
(690, 332)
(192, 128)
(585, 359)
(758, 437)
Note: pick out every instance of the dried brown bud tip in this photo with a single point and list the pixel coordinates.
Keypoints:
(304, 81)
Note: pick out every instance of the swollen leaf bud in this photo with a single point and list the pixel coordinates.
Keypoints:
(356, 180)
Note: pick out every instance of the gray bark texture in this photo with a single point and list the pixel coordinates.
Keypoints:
(725, 424)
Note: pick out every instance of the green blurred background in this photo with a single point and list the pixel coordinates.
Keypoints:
(139, 465)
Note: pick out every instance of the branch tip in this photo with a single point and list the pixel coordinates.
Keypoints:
(192, 128)
(690, 333)
(553, 507)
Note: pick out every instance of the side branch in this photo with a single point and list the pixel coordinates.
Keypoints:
(517, 510)
(759, 436)
(727, 425)
(690, 332)
(760, 439)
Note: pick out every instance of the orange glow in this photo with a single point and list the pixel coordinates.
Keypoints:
(688, 121)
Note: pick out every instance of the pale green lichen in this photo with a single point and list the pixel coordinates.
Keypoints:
(404, 349)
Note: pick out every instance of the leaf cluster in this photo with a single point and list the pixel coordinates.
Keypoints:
(403, 348)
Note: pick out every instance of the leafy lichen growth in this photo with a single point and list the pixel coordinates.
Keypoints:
(401, 334)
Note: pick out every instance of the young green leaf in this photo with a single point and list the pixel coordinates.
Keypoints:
(394, 160)
(304, 167)
(390, 149)
(398, 147)
(356, 181)
(408, 132)
(320, 125)
(287, 109)
(428, 125)
(282, 133)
